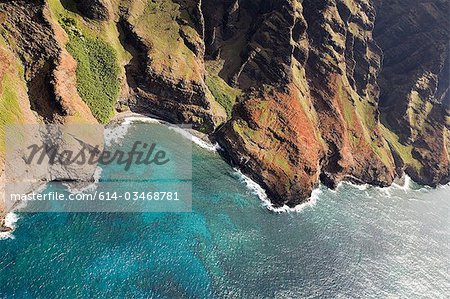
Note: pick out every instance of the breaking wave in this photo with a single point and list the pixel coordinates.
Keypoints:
(262, 195)
(197, 140)
(10, 221)
(114, 134)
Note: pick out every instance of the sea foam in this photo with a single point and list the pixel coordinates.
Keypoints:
(406, 184)
(145, 119)
(198, 141)
(405, 187)
(10, 221)
(262, 195)
(115, 133)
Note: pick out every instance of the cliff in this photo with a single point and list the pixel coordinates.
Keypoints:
(414, 80)
(296, 92)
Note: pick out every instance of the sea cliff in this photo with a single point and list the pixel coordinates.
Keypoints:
(295, 92)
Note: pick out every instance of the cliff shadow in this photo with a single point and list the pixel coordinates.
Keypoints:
(134, 68)
(70, 5)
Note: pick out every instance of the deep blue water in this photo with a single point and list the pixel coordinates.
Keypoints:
(351, 244)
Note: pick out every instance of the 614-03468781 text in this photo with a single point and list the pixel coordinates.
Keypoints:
(96, 195)
(148, 173)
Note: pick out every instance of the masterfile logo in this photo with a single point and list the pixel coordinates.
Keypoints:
(80, 168)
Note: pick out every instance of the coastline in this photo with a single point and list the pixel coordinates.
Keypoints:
(199, 138)
(9, 218)
(204, 142)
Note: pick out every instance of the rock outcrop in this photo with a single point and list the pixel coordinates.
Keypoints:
(321, 56)
(414, 80)
(167, 72)
(95, 9)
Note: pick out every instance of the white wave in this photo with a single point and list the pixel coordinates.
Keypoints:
(444, 187)
(206, 145)
(114, 134)
(262, 195)
(10, 221)
(184, 132)
(144, 119)
(199, 141)
(405, 187)
(254, 187)
(360, 187)
(339, 186)
(406, 184)
(312, 201)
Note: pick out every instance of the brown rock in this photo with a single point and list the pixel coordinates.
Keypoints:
(95, 9)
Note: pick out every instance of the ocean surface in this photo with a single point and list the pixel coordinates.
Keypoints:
(356, 242)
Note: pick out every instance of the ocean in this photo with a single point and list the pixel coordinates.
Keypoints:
(355, 242)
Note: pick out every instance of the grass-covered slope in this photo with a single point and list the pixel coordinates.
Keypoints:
(96, 48)
(14, 105)
(97, 70)
(222, 92)
(159, 24)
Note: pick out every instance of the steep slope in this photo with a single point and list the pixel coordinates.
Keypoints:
(49, 69)
(14, 106)
(37, 77)
(320, 58)
(296, 92)
(415, 97)
(167, 73)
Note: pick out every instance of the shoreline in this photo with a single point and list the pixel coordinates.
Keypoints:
(203, 140)
(199, 138)
(8, 218)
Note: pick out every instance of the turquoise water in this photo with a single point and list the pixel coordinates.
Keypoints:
(351, 243)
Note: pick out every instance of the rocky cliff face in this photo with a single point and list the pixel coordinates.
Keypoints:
(321, 63)
(296, 92)
(414, 79)
(49, 70)
(323, 55)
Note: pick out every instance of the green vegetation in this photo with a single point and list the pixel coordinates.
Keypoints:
(282, 163)
(404, 151)
(98, 59)
(359, 114)
(266, 116)
(97, 70)
(10, 112)
(224, 94)
(106, 29)
(255, 137)
(381, 153)
(11, 86)
(418, 110)
(156, 22)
